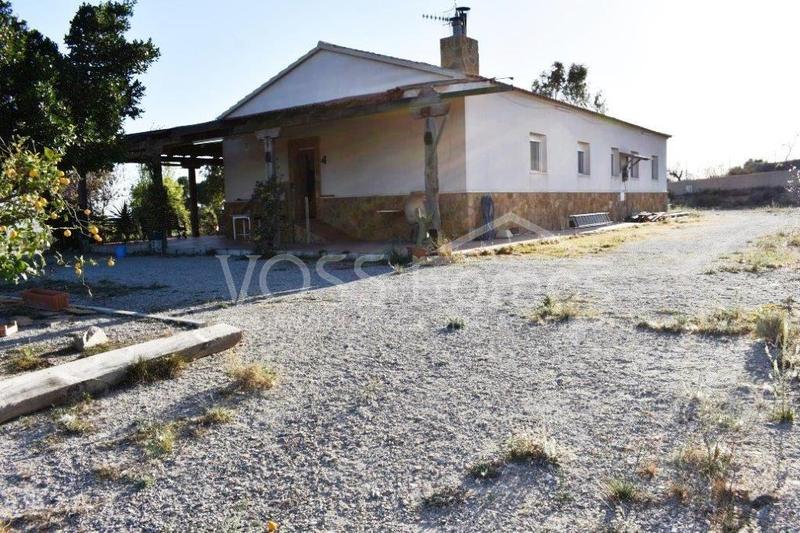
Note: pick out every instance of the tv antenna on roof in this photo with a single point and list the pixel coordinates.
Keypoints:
(458, 21)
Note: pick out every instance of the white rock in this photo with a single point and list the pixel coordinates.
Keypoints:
(93, 336)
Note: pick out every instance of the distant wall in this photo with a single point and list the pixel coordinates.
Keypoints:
(777, 178)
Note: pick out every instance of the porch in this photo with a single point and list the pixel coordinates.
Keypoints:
(307, 213)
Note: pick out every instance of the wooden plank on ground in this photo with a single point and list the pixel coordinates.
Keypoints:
(29, 392)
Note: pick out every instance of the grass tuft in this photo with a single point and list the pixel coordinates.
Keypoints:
(782, 414)
(719, 323)
(149, 371)
(72, 420)
(455, 324)
(527, 447)
(773, 326)
(770, 252)
(622, 490)
(253, 376)
(445, 497)
(712, 462)
(157, 438)
(557, 310)
(487, 468)
(216, 415)
(25, 360)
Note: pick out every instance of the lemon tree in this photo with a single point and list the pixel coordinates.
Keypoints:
(31, 205)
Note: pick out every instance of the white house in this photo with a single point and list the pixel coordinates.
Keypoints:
(344, 131)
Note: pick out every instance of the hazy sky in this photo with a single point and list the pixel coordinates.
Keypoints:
(717, 75)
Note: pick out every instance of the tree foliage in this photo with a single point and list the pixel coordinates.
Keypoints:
(74, 102)
(32, 202)
(569, 85)
(149, 206)
(30, 103)
(752, 166)
(211, 195)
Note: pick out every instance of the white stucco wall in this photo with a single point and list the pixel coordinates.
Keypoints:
(376, 155)
(498, 129)
(244, 166)
(330, 75)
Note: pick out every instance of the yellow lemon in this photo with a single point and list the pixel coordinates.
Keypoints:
(33, 173)
(67, 233)
(11, 172)
(87, 212)
(78, 271)
(93, 229)
(12, 234)
(97, 237)
(63, 181)
(111, 262)
(60, 173)
(53, 215)
(272, 526)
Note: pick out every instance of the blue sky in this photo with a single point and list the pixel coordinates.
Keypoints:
(717, 75)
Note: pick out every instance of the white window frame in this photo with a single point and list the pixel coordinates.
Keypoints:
(541, 140)
(654, 167)
(615, 163)
(585, 149)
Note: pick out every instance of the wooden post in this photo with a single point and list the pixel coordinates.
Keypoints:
(163, 207)
(195, 215)
(429, 106)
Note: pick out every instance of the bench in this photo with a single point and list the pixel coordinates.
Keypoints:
(588, 220)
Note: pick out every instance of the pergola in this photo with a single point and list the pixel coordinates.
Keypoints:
(196, 145)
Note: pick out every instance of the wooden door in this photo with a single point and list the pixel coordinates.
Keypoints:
(305, 177)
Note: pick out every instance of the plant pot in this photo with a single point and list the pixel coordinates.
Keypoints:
(7, 328)
(46, 299)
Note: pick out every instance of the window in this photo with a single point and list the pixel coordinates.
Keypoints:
(583, 159)
(635, 165)
(615, 162)
(654, 167)
(538, 145)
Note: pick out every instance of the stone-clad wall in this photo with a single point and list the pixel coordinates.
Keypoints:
(378, 218)
(551, 210)
(362, 218)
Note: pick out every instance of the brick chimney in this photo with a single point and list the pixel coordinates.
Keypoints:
(458, 51)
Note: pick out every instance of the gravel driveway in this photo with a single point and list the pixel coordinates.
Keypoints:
(378, 406)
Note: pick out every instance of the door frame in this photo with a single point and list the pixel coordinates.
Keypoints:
(295, 146)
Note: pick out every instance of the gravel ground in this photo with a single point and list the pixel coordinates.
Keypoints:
(51, 334)
(379, 406)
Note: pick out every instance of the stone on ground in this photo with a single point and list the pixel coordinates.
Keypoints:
(90, 338)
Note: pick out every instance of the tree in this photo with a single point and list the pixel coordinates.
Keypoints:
(75, 103)
(31, 200)
(569, 86)
(30, 104)
(149, 205)
(211, 195)
(676, 174)
(99, 84)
